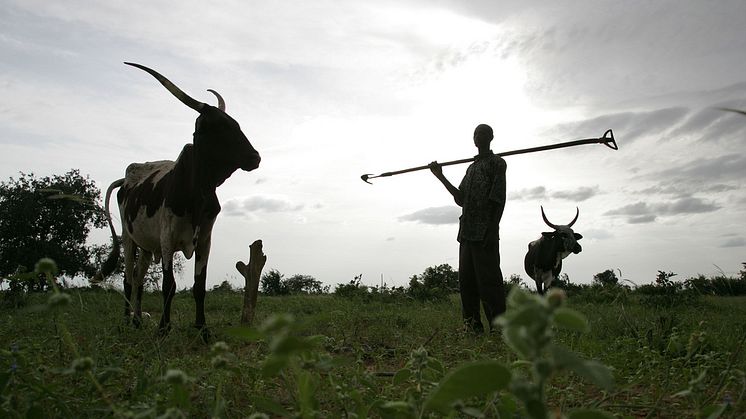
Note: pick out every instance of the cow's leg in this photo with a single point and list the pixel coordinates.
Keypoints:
(168, 290)
(202, 255)
(129, 265)
(539, 279)
(143, 262)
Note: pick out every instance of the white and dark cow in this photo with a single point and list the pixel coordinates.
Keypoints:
(170, 206)
(543, 261)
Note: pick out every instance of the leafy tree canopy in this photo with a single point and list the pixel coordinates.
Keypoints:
(48, 217)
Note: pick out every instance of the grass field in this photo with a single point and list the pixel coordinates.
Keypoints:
(80, 360)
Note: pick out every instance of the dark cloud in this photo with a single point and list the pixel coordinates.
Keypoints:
(712, 124)
(689, 205)
(642, 212)
(527, 194)
(682, 190)
(541, 193)
(639, 208)
(726, 167)
(580, 194)
(434, 215)
(242, 206)
(641, 219)
(629, 125)
(734, 242)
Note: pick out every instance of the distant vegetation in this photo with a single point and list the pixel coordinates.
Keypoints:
(359, 351)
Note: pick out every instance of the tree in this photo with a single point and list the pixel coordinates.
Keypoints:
(606, 278)
(436, 283)
(48, 217)
(305, 284)
(273, 283)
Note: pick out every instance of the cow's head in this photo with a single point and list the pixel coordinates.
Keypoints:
(218, 139)
(566, 239)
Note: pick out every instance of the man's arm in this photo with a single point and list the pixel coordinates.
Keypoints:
(454, 191)
(498, 190)
(497, 195)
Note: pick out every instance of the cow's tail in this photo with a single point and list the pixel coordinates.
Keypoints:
(110, 264)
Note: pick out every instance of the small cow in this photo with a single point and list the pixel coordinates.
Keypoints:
(170, 206)
(543, 261)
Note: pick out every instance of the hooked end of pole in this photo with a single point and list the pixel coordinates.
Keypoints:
(609, 140)
(365, 178)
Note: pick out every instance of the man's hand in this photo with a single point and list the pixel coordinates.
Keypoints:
(436, 169)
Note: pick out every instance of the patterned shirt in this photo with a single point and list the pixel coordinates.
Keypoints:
(483, 198)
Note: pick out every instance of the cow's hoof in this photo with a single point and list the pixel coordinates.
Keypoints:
(164, 329)
(204, 332)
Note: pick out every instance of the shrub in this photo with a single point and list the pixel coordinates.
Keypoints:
(273, 283)
(606, 278)
(435, 283)
(305, 284)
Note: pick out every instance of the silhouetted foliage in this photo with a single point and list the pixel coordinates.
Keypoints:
(606, 278)
(357, 290)
(273, 283)
(436, 283)
(305, 284)
(48, 217)
(224, 286)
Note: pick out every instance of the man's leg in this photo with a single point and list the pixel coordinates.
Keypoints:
(489, 279)
(468, 288)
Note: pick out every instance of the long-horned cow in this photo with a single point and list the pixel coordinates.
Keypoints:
(170, 206)
(543, 261)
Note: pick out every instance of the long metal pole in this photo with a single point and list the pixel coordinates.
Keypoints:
(607, 139)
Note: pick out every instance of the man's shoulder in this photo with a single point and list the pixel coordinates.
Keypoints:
(499, 161)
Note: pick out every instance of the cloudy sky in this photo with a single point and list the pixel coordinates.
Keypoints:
(329, 90)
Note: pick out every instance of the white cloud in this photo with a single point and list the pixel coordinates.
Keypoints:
(243, 206)
(434, 216)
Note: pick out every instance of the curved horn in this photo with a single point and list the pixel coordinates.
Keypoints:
(183, 97)
(221, 102)
(545, 219)
(577, 213)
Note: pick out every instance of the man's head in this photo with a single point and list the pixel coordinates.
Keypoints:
(483, 136)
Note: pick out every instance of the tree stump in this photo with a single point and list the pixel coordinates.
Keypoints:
(251, 273)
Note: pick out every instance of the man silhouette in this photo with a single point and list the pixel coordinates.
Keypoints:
(481, 195)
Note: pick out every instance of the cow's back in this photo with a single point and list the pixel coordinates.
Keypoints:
(141, 199)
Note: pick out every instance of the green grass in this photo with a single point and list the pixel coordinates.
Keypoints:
(654, 354)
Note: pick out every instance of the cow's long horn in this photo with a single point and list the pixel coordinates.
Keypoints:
(183, 97)
(577, 213)
(545, 219)
(221, 102)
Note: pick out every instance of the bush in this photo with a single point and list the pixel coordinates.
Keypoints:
(606, 278)
(305, 284)
(436, 283)
(667, 293)
(275, 283)
(354, 288)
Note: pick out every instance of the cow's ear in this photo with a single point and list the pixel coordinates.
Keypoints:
(547, 234)
(577, 236)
